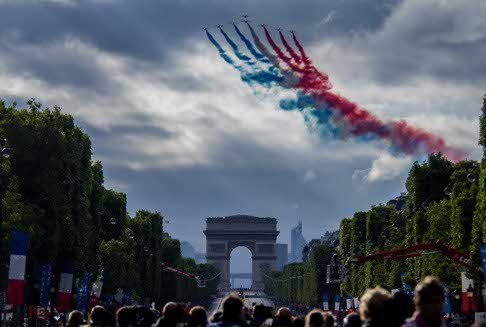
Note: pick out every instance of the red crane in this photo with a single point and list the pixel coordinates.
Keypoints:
(418, 250)
(165, 268)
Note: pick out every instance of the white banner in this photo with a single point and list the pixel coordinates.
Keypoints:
(17, 267)
(66, 283)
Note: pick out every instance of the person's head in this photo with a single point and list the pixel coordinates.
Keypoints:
(314, 318)
(232, 309)
(429, 298)
(169, 310)
(100, 317)
(127, 316)
(399, 308)
(198, 317)
(259, 312)
(76, 318)
(373, 302)
(145, 316)
(298, 321)
(352, 320)
(329, 319)
(284, 316)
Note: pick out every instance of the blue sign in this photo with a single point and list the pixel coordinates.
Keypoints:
(46, 273)
(483, 258)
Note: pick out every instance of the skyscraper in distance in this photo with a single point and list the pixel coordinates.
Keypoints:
(297, 243)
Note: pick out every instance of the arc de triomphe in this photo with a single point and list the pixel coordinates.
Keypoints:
(256, 234)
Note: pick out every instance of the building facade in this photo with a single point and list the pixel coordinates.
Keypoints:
(282, 253)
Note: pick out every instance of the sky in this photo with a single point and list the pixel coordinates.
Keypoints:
(178, 131)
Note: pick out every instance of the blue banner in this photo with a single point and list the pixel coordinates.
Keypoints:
(83, 293)
(19, 243)
(483, 258)
(337, 302)
(447, 307)
(46, 273)
(325, 302)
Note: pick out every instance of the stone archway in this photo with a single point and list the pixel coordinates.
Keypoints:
(258, 235)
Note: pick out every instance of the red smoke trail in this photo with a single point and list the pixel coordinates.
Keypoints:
(402, 136)
(280, 53)
(305, 59)
(289, 48)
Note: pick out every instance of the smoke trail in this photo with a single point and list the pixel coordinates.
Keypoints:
(279, 52)
(258, 56)
(403, 137)
(221, 51)
(235, 48)
(289, 48)
(263, 78)
(305, 59)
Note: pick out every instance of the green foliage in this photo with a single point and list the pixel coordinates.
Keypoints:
(51, 188)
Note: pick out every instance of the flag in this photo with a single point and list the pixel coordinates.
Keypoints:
(447, 307)
(16, 273)
(46, 273)
(325, 302)
(349, 302)
(337, 302)
(65, 287)
(83, 293)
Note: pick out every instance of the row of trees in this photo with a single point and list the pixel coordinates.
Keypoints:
(52, 189)
(303, 283)
(445, 201)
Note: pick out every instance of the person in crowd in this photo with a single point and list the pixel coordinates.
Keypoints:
(169, 315)
(76, 319)
(283, 318)
(399, 308)
(429, 299)
(99, 317)
(373, 306)
(315, 318)
(197, 317)
(329, 319)
(352, 320)
(259, 315)
(232, 312)
(127, 317)
(298, 321)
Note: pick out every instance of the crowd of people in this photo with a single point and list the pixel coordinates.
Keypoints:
(378, 308)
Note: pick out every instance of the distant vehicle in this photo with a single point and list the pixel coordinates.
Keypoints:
(245, 16)
(279, 29)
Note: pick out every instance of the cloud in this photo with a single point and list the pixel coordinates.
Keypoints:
(387, 167)
(309, 176)
(178, 131)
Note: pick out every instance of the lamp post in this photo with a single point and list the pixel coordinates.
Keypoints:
(5, 152)
(457, 300)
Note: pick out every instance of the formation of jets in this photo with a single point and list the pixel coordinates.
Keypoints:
(245, 19)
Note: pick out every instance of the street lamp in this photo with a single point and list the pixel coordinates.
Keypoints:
(5, 152)
(457, 298)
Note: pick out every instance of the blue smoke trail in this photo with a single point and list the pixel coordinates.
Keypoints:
(235, 48)
(221, 51)
(258, 56)
(315, 119)
(318, 119)
(264, 78)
